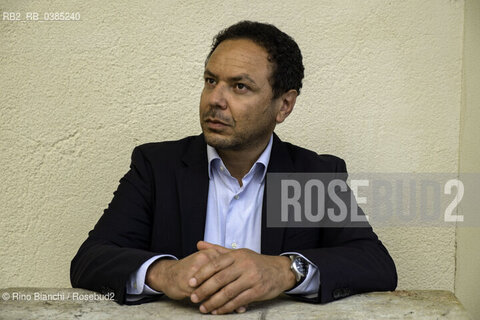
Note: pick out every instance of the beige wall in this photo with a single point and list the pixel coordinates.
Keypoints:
(382, 90)
(467, 277)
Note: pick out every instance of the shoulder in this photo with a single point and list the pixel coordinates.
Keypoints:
(167, 151)
(304, 159)
(173, 146)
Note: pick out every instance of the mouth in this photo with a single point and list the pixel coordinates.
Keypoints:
(215, 124)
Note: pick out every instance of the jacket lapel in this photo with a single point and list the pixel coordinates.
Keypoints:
(280, 161)
(193, 194)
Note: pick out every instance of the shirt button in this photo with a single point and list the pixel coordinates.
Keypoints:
(236, 197)
(234, 245)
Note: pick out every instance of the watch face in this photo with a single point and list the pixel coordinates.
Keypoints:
(301, 266)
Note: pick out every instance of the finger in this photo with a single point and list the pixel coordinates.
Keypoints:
(242, 309)
(200, 259)
(203, 245)
(214, 281)
(226, 294)
(242, 299)
(209, 269)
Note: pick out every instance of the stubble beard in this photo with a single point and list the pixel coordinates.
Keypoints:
(237, 141)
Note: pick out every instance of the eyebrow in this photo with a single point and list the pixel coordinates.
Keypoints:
(242, 76)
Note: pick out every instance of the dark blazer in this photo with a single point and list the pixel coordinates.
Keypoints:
(160, 208)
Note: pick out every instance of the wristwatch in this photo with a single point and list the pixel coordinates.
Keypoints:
(299, 267)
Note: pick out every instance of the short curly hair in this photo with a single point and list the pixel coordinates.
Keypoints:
(283, 52)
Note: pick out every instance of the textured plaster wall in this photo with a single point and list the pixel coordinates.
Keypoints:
(382, 90)
(467, 278)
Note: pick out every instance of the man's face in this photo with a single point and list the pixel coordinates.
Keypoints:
(237, 111)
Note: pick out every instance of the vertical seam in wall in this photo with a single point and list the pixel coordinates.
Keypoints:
(460, 134)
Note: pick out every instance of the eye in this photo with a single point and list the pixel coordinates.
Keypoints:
(210, 81)
(241, 87)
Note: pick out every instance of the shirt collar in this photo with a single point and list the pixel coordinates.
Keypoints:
(264, 158)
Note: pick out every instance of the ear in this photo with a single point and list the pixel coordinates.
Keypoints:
(287, 101)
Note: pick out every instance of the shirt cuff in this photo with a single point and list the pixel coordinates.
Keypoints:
(309, 287)
(136, 286)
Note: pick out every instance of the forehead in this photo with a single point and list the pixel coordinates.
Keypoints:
(238, 56)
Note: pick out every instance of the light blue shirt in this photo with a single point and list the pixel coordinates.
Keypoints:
(234, 219)
(234, 212)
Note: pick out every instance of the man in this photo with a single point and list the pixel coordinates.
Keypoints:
(188, 219)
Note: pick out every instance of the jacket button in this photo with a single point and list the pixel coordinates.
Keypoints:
(336, 294)
(341, 293)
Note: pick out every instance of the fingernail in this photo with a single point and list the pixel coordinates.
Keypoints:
(214, 312)
(203, 309)
(192, 282)
(241, 310)
(194, 298)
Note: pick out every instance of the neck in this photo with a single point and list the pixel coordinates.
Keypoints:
(239, 162)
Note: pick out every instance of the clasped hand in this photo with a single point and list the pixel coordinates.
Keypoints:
(222, 280)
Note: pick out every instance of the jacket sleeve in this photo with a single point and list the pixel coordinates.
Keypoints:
(351, 259)
(120, 241)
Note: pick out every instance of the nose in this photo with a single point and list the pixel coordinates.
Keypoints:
(217, 96)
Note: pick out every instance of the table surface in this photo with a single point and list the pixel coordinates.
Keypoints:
(60, 303)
